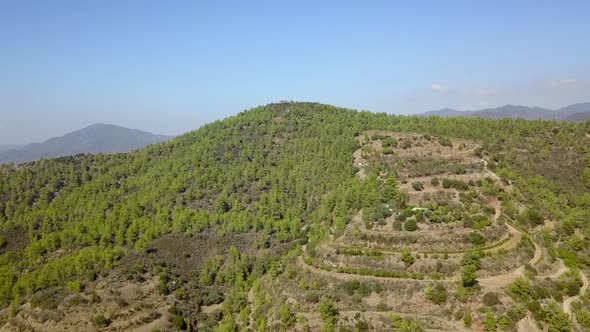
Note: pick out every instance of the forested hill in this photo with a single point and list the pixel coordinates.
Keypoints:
(284, 171)
(97, 138)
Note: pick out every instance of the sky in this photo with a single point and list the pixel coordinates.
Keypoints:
(169, 67)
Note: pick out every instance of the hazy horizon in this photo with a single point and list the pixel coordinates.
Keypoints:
(170, 68)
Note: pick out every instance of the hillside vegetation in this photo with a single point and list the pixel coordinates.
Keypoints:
(219, 216)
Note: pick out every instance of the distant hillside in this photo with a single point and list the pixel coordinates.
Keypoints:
(8, 147)
(578, 117)
(576, 112)
(97, 138)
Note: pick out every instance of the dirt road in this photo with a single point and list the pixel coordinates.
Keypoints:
(567, 303)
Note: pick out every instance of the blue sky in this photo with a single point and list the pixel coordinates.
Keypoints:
(171, 66)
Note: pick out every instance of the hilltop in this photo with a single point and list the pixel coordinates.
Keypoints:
(97, 138)
(303, 216)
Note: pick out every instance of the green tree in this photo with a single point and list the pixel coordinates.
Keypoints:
(490, 323)
(329, 314)
(557, 320)
(468, 276)
(407, 257)
(286, 316)
(521, 289)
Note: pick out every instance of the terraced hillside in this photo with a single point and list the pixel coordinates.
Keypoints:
(306, 217)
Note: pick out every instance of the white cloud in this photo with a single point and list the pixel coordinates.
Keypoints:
(480, 92)
(439, 88)
(562, 83)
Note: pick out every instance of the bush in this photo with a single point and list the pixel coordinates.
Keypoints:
(437, 294)
(418, 186)
(407, 258)
(75, 286)
(401, 324)
(287, 316)
(389, 142)
(445, 141)
(468, 276)
(490, 299)
(411, 225)
(446, 183)
(312, 297)
(472, 258)
(434, 182)
(477, 239)
(490, 323)
(557, 320)
(521, 289)
(467, 320)
(101, 321)
(328, 312)
(401, 217)
(571, 284)
(534, 217)
(583, 317)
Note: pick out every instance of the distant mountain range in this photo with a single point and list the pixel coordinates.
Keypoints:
(8, 147)
(575, 113)
(97, 138)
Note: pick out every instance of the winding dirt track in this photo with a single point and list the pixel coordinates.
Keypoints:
(567, 303)
(488, 283)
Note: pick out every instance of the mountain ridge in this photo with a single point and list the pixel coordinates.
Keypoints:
(93, 139)
(574, 113)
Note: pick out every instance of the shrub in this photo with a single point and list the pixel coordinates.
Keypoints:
(583, 317)
(434, 182)
(389, 142)
(477, 239)
(472, 258)
(521, 289)
(467, 320)
(401, 324)
(287, 316)
(504, 322)
(437, 294)
(418, 186)
(446, 183)
(407, 258)
(445, 141)
(411, 225)
(75, 286)
(101, 321)
(571, 284)
(490, 323)
(361, 325)
(490, 299)
(557, 320)
(534, 217)
(329, 313)
(406, 144)
(312, 297)
(401, 217)
(468, 276)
